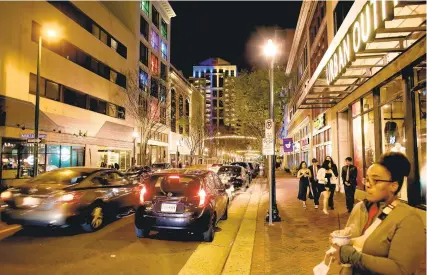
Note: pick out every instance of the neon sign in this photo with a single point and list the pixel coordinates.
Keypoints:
(373, 16)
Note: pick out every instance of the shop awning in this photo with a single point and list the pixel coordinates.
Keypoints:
(395, 27)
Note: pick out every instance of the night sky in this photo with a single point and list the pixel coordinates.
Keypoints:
(203, 29)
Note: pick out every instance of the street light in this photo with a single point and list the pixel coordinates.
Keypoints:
(50, 33)
(178, 143)
(270, 52)
(135, 136)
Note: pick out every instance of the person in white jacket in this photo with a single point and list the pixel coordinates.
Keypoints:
(325, 176)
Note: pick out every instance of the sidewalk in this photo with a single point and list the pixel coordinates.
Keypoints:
(298, 243)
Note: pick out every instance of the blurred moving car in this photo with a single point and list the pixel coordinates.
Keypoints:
(138, 172)
(234, 175)
(215, 167)
(182, 199)
(160, 166)
(70, 196)
(247, 168)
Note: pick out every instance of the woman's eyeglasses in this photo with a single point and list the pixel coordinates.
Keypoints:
(373, 182)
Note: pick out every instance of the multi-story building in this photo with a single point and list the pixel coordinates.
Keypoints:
(83, 118)
(187, 109)
(214, 77)
(359, 87)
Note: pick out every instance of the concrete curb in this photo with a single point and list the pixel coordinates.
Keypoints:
(239, 260)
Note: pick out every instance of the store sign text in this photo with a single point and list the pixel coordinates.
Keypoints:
(372, 17)
(319, 122)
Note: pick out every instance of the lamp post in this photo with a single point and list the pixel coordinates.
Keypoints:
(178, 143)
(273, 212)
(135, 136)
(52, 34)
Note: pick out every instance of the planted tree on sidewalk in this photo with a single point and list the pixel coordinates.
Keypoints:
(194, 135)
(148, 108)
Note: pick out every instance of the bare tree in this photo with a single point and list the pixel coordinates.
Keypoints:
(194, 136)
(148, 108)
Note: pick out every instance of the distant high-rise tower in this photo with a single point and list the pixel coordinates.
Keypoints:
(215, 77)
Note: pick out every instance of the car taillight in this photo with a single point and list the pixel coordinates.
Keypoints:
(69, 197)
(6, 195)
(142, 194)
(202, 195)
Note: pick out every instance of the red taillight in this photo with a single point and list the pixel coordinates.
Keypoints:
(202, 195)
(142, 194)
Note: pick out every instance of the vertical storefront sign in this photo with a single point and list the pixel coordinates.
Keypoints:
(287, 145)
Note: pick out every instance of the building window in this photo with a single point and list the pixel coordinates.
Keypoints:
(163, 93)
(154, 40)
(143, 54)
(187, 107)
(52, 90)
(163, 115)
(340, 12)
(164, 29)
(145, 7)
(173, 111)
(214, 81)
(143, 80)
(164, 50)
(143, 28)
(154, 64)
(163, 71)
(75, 14)
(155, 17)
(154, 87)
(181, 112)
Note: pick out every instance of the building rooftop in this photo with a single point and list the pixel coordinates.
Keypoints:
(214, 62)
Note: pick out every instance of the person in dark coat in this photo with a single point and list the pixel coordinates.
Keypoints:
(332, 182)
(314, 168)
(303, 175)
(116, 166)
(349, 178)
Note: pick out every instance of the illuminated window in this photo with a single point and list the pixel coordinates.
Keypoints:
(164, 49)
(154, 40)
(154, 64)
(145, 7)
(143, 80)
(164, 29)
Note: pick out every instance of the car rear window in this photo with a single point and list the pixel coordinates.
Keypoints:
(229, 169)
(243, 164)
(162, 185)
(60, 176)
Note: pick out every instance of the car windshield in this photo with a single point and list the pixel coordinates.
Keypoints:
(177, 185)
(61, 176)
(159, 165)
(227, 169)
(243, 164)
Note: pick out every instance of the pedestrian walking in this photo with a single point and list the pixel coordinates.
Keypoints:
(116, 166)
(314, 168)
(326, 176)
(349, 178)
(304, 176)
(333, 181)
(388, 236)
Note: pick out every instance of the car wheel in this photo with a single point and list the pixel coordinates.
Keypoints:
(209, 234)
(225, 216)
(142, 232)
(95, 218)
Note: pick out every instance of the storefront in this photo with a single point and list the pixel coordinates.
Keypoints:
(18, 158)
(371, 82)
(322, 145)
(110, 157)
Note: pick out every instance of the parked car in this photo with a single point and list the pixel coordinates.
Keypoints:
(138, 172)
(160, 166)
(215, 167)
(234, 175)
(70, 196)
(177, 199)
(247, 168)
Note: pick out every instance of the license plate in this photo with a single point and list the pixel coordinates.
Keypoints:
(30, 201)
(168, 207)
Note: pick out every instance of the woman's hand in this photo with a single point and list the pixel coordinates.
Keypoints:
(336, 254)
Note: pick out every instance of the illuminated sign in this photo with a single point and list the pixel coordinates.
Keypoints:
(320, 122)
(305, 142)
(373, 16)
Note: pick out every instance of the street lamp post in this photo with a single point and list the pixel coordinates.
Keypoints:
(50, 33)
(177, 153)
(273, 213)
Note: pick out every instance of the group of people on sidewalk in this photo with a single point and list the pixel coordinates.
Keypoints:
(323, 179)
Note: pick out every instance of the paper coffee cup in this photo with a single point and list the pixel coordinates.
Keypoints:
(340, 239)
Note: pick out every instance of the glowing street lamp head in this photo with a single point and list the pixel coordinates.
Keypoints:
(135, 134)
(270, 49)
(51, 32)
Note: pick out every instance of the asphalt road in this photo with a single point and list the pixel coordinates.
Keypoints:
(112, 250)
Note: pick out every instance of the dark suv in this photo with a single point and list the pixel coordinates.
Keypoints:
(182, 199)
